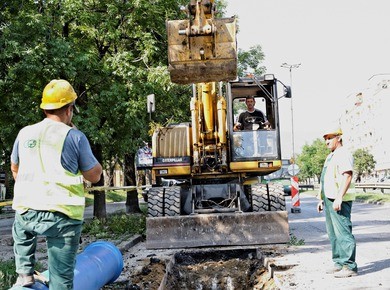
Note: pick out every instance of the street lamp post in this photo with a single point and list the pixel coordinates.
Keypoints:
(290, 67)
(295, 203)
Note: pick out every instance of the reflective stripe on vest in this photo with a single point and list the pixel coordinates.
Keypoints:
(42, 183)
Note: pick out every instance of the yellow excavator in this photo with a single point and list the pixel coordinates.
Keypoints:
(221, 195)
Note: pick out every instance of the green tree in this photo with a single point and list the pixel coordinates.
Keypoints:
(312, 159)
(250, 61)
(364, 163)
(114, 54)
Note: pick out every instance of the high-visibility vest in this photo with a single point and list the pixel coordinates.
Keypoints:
(42, 183)
(331, 173)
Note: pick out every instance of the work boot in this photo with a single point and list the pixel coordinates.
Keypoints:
(345, 273)
(334, 269)
(25, 280)
(40, 278)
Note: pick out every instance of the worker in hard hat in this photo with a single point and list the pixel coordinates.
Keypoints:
(336, 178)
(49, 161)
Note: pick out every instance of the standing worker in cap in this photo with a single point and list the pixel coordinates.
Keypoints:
(336, 178)
(49, 160)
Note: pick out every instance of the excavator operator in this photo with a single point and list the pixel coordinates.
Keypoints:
(252, 119)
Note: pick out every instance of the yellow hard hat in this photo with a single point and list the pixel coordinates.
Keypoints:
(335, 132)
(57, 94)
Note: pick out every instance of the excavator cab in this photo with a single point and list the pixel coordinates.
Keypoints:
(256, 146)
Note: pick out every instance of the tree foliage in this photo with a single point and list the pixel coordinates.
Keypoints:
(249, 62)
(364, 162)
(312, 159)
(313, 156)
(114, 53)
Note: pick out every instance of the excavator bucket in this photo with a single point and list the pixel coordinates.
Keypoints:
(202, 58)
(229, 229)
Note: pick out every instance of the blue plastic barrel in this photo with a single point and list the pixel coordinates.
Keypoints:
(99, 264)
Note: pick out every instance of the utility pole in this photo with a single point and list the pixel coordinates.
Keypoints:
(290, 67)
(293, 168)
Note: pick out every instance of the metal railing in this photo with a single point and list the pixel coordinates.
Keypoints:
(306, 186)
(373, 185)
(104, 188)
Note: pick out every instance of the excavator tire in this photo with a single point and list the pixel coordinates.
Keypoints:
(260, 201)
(155, 202)
(172, 201)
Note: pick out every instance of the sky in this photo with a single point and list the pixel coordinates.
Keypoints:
(339, 44)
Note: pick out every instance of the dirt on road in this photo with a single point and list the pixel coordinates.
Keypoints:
(148, 269)
(292, 267)
(238, 268)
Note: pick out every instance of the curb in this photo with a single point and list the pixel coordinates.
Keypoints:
(126, 245)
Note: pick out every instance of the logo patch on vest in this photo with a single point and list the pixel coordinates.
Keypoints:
(30, 143)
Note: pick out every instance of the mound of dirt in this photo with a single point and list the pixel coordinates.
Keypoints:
(233, 269)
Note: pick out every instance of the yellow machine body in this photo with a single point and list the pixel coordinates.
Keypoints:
(219, 196)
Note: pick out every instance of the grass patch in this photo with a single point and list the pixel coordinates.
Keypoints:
(117, 224)
(373, 197)
(8, 273)
(111, 196)
(370, 197)
(294, 241)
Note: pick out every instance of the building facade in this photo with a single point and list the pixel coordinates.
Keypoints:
(365, 120)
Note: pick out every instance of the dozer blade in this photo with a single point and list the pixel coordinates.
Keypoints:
(206, 58)
(228, 229)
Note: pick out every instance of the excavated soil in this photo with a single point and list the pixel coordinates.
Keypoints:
(180, 269)
(193, 269)
(233, 269)
(190, 269)
(150, 276)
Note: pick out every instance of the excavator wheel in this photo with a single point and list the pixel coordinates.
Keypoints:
(164, 201)
(261, 202)
(172, 201)
(155, 202)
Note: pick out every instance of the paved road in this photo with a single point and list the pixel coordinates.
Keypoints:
(371, 228)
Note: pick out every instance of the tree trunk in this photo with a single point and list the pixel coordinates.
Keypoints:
(8, 178)
(99, 203)
(132, 201)
(99, 200)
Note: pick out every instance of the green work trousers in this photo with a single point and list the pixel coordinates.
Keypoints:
(339, 228)
(62, 237)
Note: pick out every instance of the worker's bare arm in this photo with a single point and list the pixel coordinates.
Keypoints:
(14, 170)
(93, 175)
